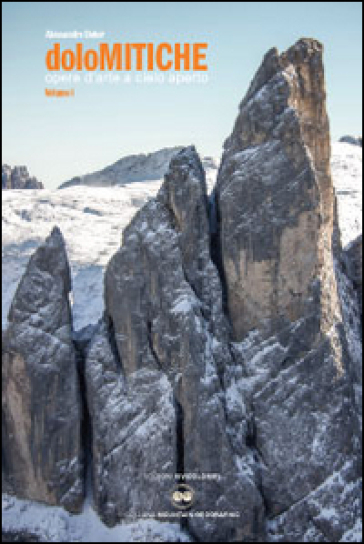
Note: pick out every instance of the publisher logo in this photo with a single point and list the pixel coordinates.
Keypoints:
(182, 497)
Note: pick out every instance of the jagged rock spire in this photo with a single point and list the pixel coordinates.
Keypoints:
(275, 199)
(164, 302)
(42, 451)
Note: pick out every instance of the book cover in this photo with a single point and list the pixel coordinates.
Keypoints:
(181, 271)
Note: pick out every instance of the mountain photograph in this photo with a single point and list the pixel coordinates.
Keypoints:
(182, 274)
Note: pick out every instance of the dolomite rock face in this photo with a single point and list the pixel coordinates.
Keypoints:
(275, 211)
(42, 457)
(133, 434)
(164, 301)
(275, 199)
(354, 259)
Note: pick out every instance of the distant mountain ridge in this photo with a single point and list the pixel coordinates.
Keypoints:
(133, 168)
(353, 140)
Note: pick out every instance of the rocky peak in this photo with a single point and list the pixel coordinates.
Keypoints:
(163, 298)
(275, 196)
(184, 178)
(41, 392)
(185, 182)
(18, 178)
(49, 267)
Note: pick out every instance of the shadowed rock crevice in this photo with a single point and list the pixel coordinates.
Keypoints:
(216, 250)
(180, 452)
(82, 340)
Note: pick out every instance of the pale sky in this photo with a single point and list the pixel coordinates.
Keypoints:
(61, 138)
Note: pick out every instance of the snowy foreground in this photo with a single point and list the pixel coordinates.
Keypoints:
(92, 221)
(53, 524)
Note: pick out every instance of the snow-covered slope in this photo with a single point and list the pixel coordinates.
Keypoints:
(151, 166)
(92, 220)
(347, 164)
